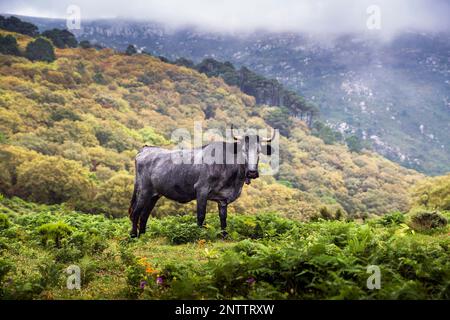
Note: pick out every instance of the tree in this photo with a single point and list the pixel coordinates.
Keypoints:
(52, 180)
(324, 132)
(85, 44)
(150, 137)
(61, 38)
(16, 25)
(8, 45)
(185, 63)
(40, 49)
(131, 50)
(116, 193)
(354, 144)
(279, 119)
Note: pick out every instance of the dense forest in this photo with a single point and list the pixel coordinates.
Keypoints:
(266, 91)
(72, 118)
(393, 95)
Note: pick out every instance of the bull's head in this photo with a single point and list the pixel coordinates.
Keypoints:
(251, 146)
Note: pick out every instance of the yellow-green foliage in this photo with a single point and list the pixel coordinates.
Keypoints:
(265, 257)
(54, 232)
(433, 193)
(87, 113)
(22, 40)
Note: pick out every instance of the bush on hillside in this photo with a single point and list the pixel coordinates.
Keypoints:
(54, 232)
(4, 222)
(8, 45)
(427, 220)
(131, 49)
(53, 180)
(16, 25)
(61, 38)
(41, 49)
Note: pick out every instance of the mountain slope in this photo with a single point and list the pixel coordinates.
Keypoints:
(394, 94)
(71, 128)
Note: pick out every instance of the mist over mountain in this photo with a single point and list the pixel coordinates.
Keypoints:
(393, 93)
(311, 16)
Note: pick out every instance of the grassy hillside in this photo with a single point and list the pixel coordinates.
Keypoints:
(69, 131)
(266, 256)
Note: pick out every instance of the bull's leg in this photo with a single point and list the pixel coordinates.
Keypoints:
(142, 199)
(201, 209)
(146, 213)
(223, 218)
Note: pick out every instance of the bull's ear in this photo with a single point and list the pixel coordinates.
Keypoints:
(266, 149)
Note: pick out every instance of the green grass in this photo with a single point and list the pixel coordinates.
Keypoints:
(265, 257)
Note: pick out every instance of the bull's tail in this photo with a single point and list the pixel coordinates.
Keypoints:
(133, 198)
(132, 202)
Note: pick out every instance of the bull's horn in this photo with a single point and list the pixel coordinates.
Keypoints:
(272, 136)
(232, 133)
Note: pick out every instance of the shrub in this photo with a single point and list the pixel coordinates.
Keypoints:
(354, 144)
(324, 132)
(115, 194)
(99, 78)
(433, 193)
(131, 50)
(150, 137)
(61, 38)
(55, 231)
(245, 226)
(259, 226)
(182, 232)
(425, 220)
(50, 274)
(85, 44)
(89, 267)
(53, 180)
(394, 218)
(59, 113)
(325, 213)
(5, 267)
(4, 222)
(279, 119)
(14, 24)
(8, 45)
(40, 49)
(183, 229)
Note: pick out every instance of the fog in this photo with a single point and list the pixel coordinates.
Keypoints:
(315, 16)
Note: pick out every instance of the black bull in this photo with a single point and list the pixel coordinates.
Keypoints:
(160, 173)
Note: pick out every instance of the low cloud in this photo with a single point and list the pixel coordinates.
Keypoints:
(316, 16)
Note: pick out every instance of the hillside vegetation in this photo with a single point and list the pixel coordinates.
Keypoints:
(433, 193)
(265, 257)
(395, 93)
(69, 131)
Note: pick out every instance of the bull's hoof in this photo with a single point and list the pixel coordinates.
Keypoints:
(224, 235)
(133, 235)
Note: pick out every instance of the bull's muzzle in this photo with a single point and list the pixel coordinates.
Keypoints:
(252, 174)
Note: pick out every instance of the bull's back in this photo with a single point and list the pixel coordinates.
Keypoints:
(166, 177)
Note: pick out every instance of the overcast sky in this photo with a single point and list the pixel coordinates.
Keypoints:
(247, 15)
